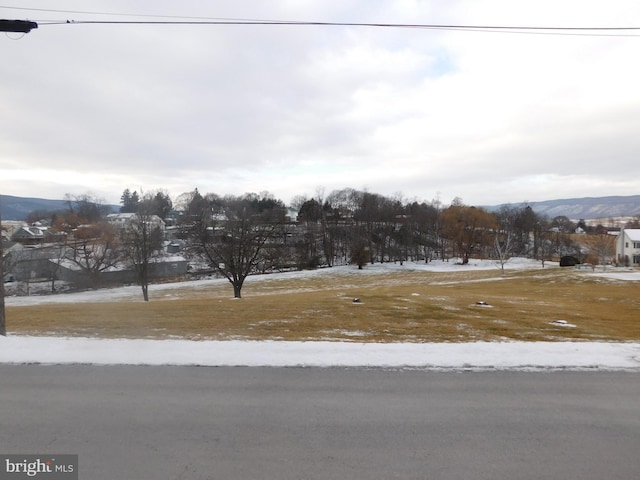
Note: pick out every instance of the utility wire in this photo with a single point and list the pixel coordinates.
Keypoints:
(128, 15)
(570, 31)
(352, 24)
(186, 20)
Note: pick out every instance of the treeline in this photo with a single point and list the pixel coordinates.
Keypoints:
(236, 236)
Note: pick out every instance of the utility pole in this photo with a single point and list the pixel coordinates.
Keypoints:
(19, 26)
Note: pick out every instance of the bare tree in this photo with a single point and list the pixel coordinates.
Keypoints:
(142, 242)
(94, 249)
(87, 208)
(562, 224)
(424, 220)
(58, 252)
(367, 215)
(360, 254)
(468, 228)
(601, 249)
(233, 238)
(310, 243)
(24, 267)
(504, 241)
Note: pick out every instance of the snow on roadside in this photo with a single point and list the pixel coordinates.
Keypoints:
(526, 356)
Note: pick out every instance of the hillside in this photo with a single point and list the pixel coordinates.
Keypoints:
(585, 208)
(589, 208)
(17, 208)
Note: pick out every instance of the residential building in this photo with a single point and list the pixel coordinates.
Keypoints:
(29, 235)
(124, 220)
(628, 247)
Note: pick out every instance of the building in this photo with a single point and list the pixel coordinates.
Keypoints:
(123, 220)
(168, 267)
(628, 247)
(29, 235)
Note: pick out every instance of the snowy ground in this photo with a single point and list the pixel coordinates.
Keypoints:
(133, 292)
(435, 356)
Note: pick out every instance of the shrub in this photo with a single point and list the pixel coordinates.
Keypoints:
(569, 261)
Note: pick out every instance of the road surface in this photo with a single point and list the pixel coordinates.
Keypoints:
(139, 423)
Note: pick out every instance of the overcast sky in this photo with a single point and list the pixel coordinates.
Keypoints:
(295, 110)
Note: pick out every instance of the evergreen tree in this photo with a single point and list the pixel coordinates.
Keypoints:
(129, 201)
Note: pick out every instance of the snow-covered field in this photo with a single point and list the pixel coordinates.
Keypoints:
(436, 356)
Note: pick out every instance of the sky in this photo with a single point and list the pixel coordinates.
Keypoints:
(486, 116)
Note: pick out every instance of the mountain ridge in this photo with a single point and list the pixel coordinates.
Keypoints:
(17, 208)
(586, 208)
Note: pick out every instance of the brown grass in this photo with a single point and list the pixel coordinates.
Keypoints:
(394, 307)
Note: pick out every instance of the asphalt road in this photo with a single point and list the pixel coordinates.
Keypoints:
(139, 423)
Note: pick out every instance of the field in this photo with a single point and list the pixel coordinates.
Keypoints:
(396, 304)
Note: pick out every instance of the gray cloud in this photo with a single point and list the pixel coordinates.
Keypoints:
(485, 116)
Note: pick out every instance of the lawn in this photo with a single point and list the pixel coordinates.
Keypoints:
(550, 304)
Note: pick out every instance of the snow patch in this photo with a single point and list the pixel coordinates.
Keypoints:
(562, 323)
(436, 356)
(133, 292)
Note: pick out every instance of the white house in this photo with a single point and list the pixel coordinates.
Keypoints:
(124, 220)
(628, 247)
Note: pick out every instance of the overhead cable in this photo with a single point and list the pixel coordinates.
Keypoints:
(187, 20)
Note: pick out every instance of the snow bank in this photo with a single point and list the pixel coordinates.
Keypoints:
(435, 356)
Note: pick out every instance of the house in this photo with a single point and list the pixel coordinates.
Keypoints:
(29, 262)
(123, 220)
(628, 247)
(169, 267)
(29, 235)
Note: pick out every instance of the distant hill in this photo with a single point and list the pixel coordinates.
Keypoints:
(17, 208)
(587, 208)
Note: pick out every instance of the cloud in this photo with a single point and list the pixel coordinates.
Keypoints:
(490, 117)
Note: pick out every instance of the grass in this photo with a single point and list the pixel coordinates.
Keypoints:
(394, 307)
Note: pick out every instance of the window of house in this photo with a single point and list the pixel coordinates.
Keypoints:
(626, 244)
(636, 259)
(636, 244)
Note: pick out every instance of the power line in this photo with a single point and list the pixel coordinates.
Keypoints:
(48, 10)
(192, 21)
(351, 24)
(537, 30)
